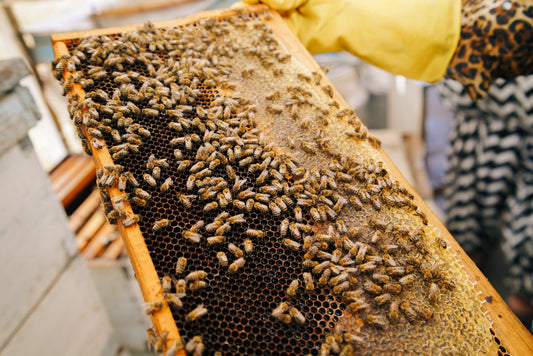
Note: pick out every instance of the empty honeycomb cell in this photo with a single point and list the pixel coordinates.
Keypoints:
(323, 175)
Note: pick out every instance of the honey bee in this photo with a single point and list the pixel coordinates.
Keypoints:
(181, 286)
(433, 293)
(328, 90)
(367, 267)
(372, 287)
(191, 180)
(358, 304)
(448, 283)
(380, 321)
(321, 267)
(308, 281)
(144, 132)
(96, 143)
(274, 109)
(149, 179)
(287, 200)
(249, 205)
(173, 350)
(239, 184)
(195, 275)
(331, 340)
(291, 141)
(379, 224)
(338, 279)
(197, 167)
(160, 224)
(138, 201)
(352, 339)
(156, 172)
(185, 200)
(325, 350)
(355, 202)
(192, 236)
(174, 299)
(396, 271)
(178, 154)
(383, 298)
(197, 313)
(291, 244)
(150, 112)
(184, 165)
(213, 226)
(157, 341)
(195, 346)
(279, 310)
(196, 285)
(222, 259)
(239, 204)
(408, 310)
(166, 184)
(181, 265)
(255, 233)
(297, 316)
(293, 287)
(407, 280)
(246, 161)
(347, 350)
(224, 228)
(295, 232)
(215, 240)
(95, 132)
(361, 253)
(341, 287)
(248, 246)
(237, 219)
(130, 220)
(393, 288)
(210, 206)
(235, 250)
(151, 307)
(236, 265)
(142, 194)
(166, 284)
(324, 278)
(315, 214)
(261, 207)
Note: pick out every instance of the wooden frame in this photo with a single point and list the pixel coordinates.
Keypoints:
(516, 338)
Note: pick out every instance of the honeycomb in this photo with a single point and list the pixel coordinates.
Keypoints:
(220, 137)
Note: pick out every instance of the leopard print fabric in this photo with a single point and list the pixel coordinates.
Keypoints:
(496, 41)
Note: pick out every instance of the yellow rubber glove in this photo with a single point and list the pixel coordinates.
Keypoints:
(414, 38)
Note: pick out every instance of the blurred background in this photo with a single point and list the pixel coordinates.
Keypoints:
(65, 270)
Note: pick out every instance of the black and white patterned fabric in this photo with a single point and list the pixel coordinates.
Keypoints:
(489, 182)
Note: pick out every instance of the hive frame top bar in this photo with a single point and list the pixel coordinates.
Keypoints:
(515, 336)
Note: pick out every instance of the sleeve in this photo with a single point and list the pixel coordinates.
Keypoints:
(415, 38)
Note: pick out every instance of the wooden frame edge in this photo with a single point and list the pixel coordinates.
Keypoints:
(138, 253)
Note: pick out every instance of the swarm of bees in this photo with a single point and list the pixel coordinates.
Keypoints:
(171, 139)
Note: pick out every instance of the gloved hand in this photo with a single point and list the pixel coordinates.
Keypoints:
(482, 41)
(496, 42)
(415, 38)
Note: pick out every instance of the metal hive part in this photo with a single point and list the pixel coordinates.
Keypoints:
(225, 122)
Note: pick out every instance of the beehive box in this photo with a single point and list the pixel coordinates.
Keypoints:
(219, 136)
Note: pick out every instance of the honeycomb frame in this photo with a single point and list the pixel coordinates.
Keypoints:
(147, 276)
